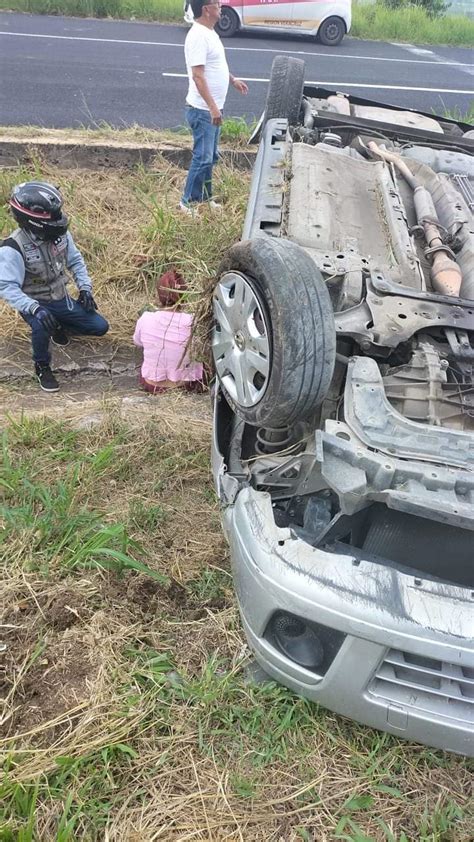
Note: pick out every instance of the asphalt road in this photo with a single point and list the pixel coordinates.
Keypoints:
(66, 72)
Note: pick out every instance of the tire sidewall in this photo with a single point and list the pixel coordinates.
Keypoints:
(231, 16)
(289, 328)
(322, 30)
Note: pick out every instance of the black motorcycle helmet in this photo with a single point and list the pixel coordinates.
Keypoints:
(37, 207)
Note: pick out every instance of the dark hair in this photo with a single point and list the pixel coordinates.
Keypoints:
(196, 6)
(170, 287)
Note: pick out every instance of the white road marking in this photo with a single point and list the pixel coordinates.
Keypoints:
(333, 84)
(464, 68)
(335, 55)
(418, 51)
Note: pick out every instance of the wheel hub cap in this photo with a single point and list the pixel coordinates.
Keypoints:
(240, 340)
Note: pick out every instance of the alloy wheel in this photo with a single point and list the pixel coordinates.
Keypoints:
(240, 342)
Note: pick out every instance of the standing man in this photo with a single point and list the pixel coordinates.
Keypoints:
(209, 79)
(34, 260)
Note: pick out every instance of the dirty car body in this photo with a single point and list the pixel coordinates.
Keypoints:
(343, 450)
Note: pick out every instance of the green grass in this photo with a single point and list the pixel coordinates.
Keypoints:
(162, 10)
(376, 22)
(410, 24)
(128, 708)
(235, 131)
(459, 115)
(48, 522)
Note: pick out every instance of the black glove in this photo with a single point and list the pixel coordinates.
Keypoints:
(86, 301)
(46, 319)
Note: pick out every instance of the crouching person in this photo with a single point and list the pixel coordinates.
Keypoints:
(164, 336)
(34, 261)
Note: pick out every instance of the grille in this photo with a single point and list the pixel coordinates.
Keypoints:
(425, 684)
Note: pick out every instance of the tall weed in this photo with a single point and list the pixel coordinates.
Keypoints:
(166, 10)
(51, 521)
(410, 23)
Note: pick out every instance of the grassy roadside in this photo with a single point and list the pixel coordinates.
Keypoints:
(374, 22)
(128, 712)
(235, 132)
(127, 225)
(410, 24)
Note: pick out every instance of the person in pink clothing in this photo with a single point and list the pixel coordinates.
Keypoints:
(163, 335)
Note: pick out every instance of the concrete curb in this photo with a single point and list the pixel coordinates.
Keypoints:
(81, 356)
(97, 155)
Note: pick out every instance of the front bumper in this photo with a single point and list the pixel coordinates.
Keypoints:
(406, 663)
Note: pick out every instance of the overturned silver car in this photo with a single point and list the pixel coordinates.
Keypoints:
(343, 448)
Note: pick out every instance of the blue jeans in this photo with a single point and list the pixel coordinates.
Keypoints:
(70, 315)
(198, 187)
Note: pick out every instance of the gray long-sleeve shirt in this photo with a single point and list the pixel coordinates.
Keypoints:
(12, 275)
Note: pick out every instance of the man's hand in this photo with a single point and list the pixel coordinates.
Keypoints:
(45, 318)
(216, 116)
(240, 86)
(86, 301)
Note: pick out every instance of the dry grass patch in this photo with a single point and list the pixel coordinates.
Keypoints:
(129, 229)
(234, 131)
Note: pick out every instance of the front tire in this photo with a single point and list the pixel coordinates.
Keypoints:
(228, 23)
(332, 31)
(274, 340)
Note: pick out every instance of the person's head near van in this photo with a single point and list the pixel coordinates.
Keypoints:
(169, 289)
(209, 10)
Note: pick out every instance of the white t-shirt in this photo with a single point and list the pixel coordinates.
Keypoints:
(204, 47)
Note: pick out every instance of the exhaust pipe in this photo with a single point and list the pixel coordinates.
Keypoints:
(445, 273)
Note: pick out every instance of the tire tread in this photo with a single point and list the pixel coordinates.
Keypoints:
(285, 89)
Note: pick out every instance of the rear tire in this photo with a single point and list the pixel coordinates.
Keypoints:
(287, 317)
(332, 31)
(285, 90)
(228, 23)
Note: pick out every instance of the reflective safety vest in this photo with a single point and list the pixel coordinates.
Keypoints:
(45, 265)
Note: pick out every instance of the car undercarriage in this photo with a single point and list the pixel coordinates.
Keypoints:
(344, 413)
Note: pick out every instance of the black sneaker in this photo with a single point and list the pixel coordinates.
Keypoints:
(60, 337)
(46, 378)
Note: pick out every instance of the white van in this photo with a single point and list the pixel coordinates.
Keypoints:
(328, 20)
